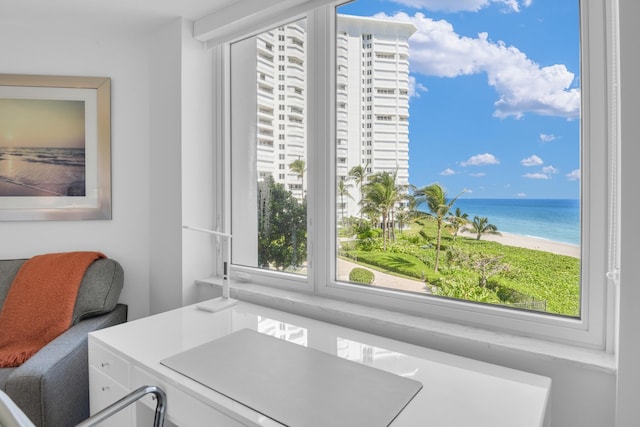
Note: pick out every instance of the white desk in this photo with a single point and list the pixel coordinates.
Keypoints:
(456, 391)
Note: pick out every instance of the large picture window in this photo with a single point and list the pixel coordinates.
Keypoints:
(447, 161)
(459, 128)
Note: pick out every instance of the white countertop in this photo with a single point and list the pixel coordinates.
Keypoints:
(456, 391)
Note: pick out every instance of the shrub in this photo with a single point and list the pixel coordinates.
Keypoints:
(467, 289)
(361, 275)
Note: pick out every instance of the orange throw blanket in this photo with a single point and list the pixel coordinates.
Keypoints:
(39, 305)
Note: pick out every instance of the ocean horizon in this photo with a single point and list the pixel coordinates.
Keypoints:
(551, 219)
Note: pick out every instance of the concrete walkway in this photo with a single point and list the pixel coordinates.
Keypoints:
(382, 279)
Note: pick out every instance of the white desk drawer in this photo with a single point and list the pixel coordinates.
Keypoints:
(105, 391)
(182, 409)
(108, 363)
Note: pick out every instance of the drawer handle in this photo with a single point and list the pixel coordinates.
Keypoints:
(104, 364)
(106, 388)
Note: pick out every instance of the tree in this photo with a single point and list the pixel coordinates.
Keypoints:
(379, 195)
(403, 217)
(299, 168)
(282, 227)
(359, 175)
(457, 221)
(435, 197)
(487, 266)
(343, 191)
(480, 226)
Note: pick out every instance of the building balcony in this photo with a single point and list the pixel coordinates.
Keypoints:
(295, 99)
(265, 95)
(265, 131)
(295, 50)
(295, 72)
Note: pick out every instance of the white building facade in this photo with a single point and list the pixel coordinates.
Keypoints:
(281, 124)
(372, 103)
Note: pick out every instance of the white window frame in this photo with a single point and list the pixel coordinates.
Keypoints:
(594, 329)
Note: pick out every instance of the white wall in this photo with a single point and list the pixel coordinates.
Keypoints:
(197, 163)
(160, 113)
(41, 45)
(165, 213)
(181, 159)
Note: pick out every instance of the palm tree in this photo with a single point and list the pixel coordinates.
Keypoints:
(359, 175)
(403, 217)
(436, 199)
(380, 193)
(298, 167)
(343, 191)
(480, 226)
(457, 220)
(371, 211)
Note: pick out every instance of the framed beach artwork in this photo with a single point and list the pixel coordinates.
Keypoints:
(55, 148)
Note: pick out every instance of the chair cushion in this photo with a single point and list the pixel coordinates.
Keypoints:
(99, 290)
(4, 376)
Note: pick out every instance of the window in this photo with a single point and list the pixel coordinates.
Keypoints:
(269, 214)
(511, 147)
(441, 246)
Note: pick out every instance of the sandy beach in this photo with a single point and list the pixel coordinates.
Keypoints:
(528, 242)
(9, 189)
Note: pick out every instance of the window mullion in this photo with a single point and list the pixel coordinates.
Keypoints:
(321, 137)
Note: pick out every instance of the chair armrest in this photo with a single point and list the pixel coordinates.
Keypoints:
(52, 387)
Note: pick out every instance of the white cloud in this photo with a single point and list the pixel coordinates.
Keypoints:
(477, 175)
(481, 160)
(532, 161)
(447, 172)
(521, 194)
(536, 175)
(547, 137)
(522, 85)
(463, 5)
(415, 88)
(574, 175)
(550, 170)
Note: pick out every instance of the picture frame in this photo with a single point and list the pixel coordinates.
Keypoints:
(55, 147)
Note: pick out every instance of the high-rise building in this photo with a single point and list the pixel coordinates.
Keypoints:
(372, 102)
(281, 133)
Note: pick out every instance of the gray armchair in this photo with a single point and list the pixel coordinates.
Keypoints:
(52, 387)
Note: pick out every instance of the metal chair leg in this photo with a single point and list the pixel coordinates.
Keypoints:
(130, 398)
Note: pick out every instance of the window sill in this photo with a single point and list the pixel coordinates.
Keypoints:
(415, 329)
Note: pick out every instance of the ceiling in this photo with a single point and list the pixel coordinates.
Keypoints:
(120, 12)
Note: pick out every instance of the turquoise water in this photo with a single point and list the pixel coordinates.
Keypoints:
(552, 219)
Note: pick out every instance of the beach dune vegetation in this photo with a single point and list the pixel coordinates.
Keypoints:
(478, 270)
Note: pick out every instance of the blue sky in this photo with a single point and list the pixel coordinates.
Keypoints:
(496, 102)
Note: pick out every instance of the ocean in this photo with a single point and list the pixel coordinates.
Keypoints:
(43, 171)
(551, 219)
